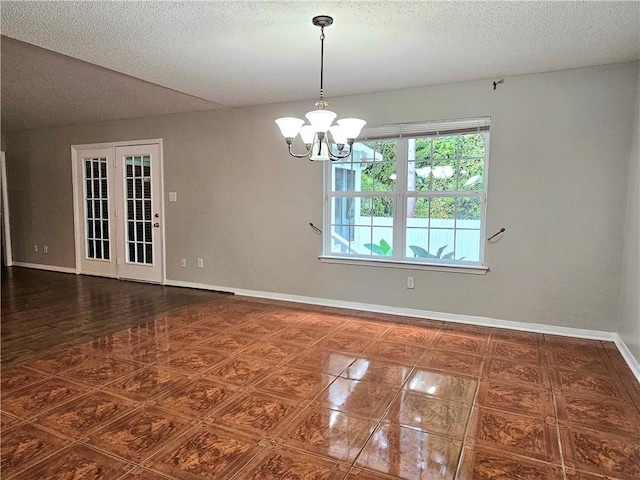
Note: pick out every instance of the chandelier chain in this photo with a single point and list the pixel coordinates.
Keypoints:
(322, 63)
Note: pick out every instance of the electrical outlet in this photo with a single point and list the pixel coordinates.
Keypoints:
(45, 249)
(35, 248)
(183, 262)
(200, 263)
(411, 282)
(173, 196)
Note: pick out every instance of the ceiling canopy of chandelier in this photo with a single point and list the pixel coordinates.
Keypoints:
(319, 133)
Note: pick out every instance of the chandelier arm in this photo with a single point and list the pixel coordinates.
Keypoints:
(339, 156)
(298, 155)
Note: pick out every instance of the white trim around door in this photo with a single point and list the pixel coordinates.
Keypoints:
(6, 224)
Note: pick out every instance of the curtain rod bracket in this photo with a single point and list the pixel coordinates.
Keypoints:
(496, 234)
(315, 229)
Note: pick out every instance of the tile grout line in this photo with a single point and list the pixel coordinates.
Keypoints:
(554, 397)
(379, 422)
(472, 409)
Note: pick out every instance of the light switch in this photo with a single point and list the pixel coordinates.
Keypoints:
(173, 196)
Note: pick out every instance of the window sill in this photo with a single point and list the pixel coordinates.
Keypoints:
(469, 269)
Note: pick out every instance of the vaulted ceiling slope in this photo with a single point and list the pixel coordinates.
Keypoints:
(237, 53)
(41, 88)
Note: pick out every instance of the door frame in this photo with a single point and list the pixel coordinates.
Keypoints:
(8, 253)
(78, 217)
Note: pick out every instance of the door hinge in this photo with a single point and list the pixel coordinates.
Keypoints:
(115, 164)
(117, 262)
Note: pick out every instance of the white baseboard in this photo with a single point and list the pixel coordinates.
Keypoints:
(632, 362)
(447, 317)
(40, 266)
(201, 286)
(101, 275)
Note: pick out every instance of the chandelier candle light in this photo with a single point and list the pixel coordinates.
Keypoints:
(317, 135)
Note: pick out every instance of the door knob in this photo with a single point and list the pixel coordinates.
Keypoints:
(156, 225)
(157, 215)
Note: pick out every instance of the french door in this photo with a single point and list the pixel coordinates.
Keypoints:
(118, 211)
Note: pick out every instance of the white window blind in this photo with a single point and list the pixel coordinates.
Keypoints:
(431, 128)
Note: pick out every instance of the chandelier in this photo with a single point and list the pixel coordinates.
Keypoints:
(319, 133)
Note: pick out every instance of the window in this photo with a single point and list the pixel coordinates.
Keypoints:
(410, 193)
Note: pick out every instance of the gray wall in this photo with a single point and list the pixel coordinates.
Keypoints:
(629, 311)
(560, 146)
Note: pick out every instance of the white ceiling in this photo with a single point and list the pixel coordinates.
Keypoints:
(236, 53)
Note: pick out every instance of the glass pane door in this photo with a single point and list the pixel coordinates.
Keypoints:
(96, 200)
(139, 225)
(94, 214)
(139, 239)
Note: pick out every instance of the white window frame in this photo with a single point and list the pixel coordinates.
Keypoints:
(401, 132)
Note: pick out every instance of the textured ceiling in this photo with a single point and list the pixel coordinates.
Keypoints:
(236, 53)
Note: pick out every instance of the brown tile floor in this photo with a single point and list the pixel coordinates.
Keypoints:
(245, 389)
